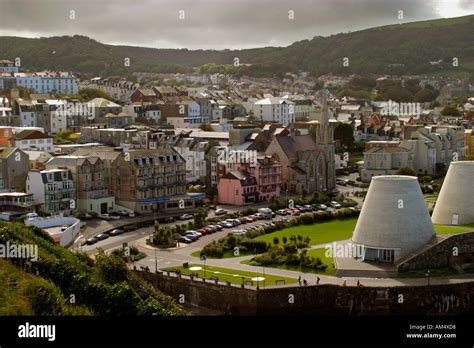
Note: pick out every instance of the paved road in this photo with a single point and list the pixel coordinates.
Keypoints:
(175, 257)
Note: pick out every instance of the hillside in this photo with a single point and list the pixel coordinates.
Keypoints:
(369, 51)
(61, 282)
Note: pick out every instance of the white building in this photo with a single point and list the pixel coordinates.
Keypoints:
(7, 66)
(53, 189)
(278, 110)
(34, 140)
(58, 118)
(48, 82)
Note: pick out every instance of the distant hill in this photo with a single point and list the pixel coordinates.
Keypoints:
(405, 48)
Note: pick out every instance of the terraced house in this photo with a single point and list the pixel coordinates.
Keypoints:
(152, 181)
(53, 190)
(89, 173)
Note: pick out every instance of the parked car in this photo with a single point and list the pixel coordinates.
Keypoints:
(167, 220)
(281, 212)
(253, 228)
(196, 233)
(335, 205)
(211, 228)
(259, 216)
(308, 207)
(238, 232)
(91, 241)
(295, 212)
(122, 212)
(186, 217)
(330, 210)
(220, 212)
(129, 228)
(242, 220)
(225, 224)
(191, 236)
(219, 227)
(185, 239)
(248, 219)
(102, 236)
(204, 231)
(109, 217)
(116, 232)
(323, 206)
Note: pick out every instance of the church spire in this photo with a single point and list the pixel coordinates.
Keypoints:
(325, 115)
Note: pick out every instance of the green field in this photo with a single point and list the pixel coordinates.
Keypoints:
(232, 275)
(443, 229)
(327, 232)
(320, 233)
(330, 270)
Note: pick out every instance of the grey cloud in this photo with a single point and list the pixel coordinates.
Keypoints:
(213, 24)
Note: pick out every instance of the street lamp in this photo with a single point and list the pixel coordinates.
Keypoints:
(428, 274)
(156, 263)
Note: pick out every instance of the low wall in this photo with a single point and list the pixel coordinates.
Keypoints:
(318, 299)
(446, 253)
(66, 237)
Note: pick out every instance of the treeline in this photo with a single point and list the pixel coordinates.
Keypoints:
(403, 49)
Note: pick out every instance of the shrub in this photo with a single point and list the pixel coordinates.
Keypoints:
(276, 240)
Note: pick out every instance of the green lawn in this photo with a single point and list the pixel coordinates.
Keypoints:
(320, 233)
(233, 275)
(330, 270)
(443, 229)
(326, 232)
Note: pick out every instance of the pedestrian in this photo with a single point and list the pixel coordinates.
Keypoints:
(299, 280)
(344, 283)
(317, 280)
(358, 282)
(305, 282)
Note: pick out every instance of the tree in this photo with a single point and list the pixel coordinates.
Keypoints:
(206, 127)
(449, 110)
(200, 215)
(398, 94)
(425, 96)
(87, 94)
(344, 134)
(406, 171)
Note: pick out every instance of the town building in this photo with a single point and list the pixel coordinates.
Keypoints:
(277, 110)
(33, 140)
(53, 190)
(14, 168)
(89, 177)
(57, 82)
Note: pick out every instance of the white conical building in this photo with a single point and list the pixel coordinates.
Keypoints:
(394, 220)
(455, 203)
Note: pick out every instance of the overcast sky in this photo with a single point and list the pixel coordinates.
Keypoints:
(213, 24)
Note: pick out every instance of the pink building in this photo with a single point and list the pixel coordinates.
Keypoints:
(237, 188)
(266, 172)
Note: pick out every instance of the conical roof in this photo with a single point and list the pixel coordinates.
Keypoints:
(394, 216)
(456, 198)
